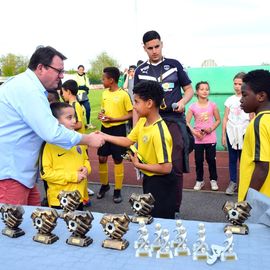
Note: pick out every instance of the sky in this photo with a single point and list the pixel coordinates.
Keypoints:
(232, 32)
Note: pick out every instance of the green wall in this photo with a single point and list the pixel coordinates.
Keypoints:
(220, 80)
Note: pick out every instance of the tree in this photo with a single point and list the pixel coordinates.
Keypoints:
(103, 60)
(12, 64)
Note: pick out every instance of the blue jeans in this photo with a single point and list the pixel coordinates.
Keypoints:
(86, 105)
(234, 155)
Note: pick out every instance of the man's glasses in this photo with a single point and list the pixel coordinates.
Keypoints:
(60, 71)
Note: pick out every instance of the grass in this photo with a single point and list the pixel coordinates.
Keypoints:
(95, 101)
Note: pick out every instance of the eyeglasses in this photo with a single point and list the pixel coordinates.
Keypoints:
(60, 71)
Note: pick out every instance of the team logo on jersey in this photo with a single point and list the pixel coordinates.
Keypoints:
(79, 150)
(167, 87)
(145, 138)
(145, 70)
(166, 67)
(115, 99)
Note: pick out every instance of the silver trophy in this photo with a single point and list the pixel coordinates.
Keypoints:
(12, 216)
(143, 248)
(45, 221)
(79, 223)
(180, 242)
(200, 247)
(157, 241)
(237, 213)
(165, 248)
(141, 228)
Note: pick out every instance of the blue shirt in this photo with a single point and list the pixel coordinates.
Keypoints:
(26, 121)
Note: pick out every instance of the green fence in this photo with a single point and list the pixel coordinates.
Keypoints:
(220, 80)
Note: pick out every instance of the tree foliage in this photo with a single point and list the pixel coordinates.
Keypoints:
(102, 60)
(12, 64)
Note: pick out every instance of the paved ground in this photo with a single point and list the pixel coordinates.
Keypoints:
(196, 205)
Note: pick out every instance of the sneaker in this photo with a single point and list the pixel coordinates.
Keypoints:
(198, 185)
(90, 192)
(214, 185)
(231, 188)
(102, 191)
(117, 198)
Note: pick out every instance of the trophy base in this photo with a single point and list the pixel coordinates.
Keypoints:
(146, 220)
(79, 241)
(115, 244)
(13, 233)
(181, 252)
(228, 256)
(143, 253)
(45, 239)
(199, 256)
(237, 229)
(155, 248)
(164, 254)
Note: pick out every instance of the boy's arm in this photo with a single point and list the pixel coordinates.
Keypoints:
(162, 168)
(122, 141)
(259, 174)
(106, 118)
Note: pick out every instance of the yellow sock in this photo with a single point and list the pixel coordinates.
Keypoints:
(103, 173)
(118, 175)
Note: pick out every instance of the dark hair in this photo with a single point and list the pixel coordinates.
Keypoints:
(239, 75)
(139, 62)
(79, 66)
(150, 35)
(57, 107)
(55, 95)
(132, 67)
(44, 55)
(72, 86)
(112, 72)
(199, 84)
(149, 90)
(258, 81)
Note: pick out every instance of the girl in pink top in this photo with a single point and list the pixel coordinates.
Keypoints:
(206, 120)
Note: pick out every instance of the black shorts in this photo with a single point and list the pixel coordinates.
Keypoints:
(111, 149)
(163, 189)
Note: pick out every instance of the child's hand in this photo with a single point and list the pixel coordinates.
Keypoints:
(207, 130)
(81, 177)
(198, 134)
(223, 142)
(134, 159)
(83, 170)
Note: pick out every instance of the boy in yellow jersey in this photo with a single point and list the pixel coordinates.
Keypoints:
(255, 157)
(116, 111)
(69, 93)
(64, 169)
(154, 146)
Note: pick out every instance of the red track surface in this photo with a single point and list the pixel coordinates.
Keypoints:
(189, 178)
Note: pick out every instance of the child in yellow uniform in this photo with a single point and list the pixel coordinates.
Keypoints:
(64, 169)
(255, 157)
(116, 109)
(154, 146)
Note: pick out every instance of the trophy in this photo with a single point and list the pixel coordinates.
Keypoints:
(12, 216)
(143, 247)
(165, 250)
(180, 242)
(157, 241)
(115, 226)
(200, 247)
(141, 228)
(69, 200)
(45, 221)
(142, 205)
(237, 213)
(79, 223)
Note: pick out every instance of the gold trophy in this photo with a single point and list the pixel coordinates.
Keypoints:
(115, 226)
(12, 216)
(79, 223)
(142, 205)
(69, 200)
(237, 213)
(45, 221)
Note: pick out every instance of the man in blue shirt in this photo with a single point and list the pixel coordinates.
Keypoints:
(26, 121)
(172, 77)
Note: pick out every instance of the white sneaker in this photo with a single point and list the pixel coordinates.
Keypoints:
(214, 185)
(90, 192)
(198, 185)
(231, 188)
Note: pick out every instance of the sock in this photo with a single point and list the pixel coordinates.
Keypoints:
(118, 175)
(103, 173)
